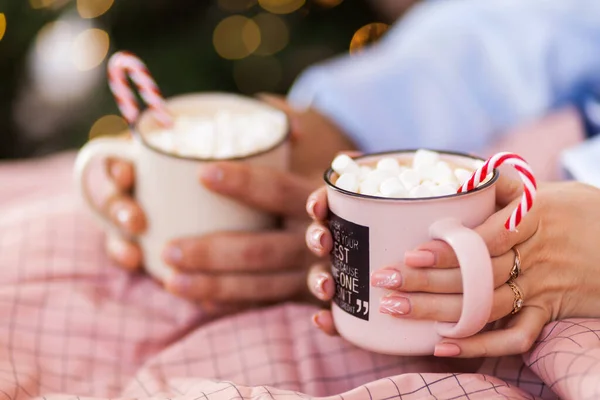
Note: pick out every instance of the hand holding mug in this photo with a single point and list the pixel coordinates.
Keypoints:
(554, 257)
(231, 266)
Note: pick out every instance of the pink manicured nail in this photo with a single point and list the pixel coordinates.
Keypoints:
(316, 239)
(386, 278)
(173, 255)
(316, 320)
(419, 258)
(178, 283)
(321, 281)
(394, 305)
(310, 207)
(446, 350)
(212, 174)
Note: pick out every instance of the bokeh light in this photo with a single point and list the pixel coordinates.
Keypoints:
(59, 61)
(236, 37)
(90, 48)
(55, 4)
(236, 5)
(281, 6)
(257, 74)
(108, 125)
(2, 25)
(274, 34)
(93, 8)
(367, 35)
(328, 3)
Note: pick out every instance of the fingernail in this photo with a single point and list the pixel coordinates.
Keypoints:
(123, 216)
(446, 350)
(310, 207)
(316, 239)
(116, 248)
(394, 305)
(173, 255)
(126, 255)
(320, 290)
(316, 320)
(212, 174)
(386, 278)
(419, 258)
(178, 284)
(116, 168)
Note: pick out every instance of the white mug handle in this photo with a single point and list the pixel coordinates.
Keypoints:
(100, 148)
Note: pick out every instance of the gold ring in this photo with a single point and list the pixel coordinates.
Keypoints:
(518, 302)
(516, 269)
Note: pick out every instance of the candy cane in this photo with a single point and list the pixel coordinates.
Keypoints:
(526, 175)
(123, 64)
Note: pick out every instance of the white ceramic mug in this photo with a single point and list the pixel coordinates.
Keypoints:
(167, 185)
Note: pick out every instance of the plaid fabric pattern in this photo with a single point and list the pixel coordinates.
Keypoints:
(72, 326)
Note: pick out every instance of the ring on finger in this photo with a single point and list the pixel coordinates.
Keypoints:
(518, 299)
(516, 269)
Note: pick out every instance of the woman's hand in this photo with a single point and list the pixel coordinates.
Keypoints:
(557, 243)
(239, 267)
(560, 270)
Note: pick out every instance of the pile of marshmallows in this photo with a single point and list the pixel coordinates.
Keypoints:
(222, 136)
(427, 177)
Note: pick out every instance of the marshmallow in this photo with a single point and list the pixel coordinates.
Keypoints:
(462, 175)
(425, 157)
(443, 173)
(420, 191)
(347, 181)
(410, 178)
(369, 187)
(478, 164)
(224, 135)
(364, 172)
(444, 190)
(388, 164)
(427, 172)
(379, 176)
(345, 164)
(392, 187)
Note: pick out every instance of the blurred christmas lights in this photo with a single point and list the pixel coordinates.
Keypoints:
(367, 35)
(236, 37)
(281, 6)
(93, 8)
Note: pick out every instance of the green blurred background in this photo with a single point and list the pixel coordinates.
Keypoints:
(53, 91)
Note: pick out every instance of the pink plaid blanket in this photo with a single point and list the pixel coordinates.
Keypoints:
(73, 326)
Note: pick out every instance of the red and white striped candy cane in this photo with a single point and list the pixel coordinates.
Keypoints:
(123, 64)
(526, 175)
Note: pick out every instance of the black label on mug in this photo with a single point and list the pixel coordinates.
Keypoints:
(350, 266)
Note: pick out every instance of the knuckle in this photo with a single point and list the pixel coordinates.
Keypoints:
(196, 254)
(238, 178)
(500, 242)
(481, 350)
(523, 340)
(258, 252)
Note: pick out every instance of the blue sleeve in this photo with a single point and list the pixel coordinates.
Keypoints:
(455, 74)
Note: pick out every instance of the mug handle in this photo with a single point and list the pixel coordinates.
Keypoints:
(477, 276)
(100, 148)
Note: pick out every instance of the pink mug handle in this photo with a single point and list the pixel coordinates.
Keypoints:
(477, 276)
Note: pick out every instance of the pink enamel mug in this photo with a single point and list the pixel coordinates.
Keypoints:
(370, 233)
